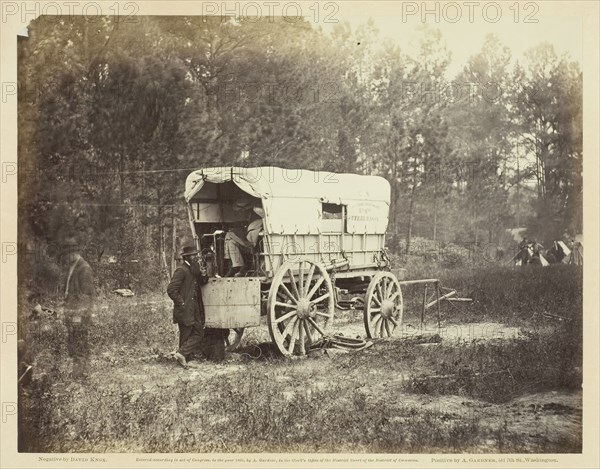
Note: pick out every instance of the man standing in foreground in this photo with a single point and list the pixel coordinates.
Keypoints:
(188, 310)
(79, 300)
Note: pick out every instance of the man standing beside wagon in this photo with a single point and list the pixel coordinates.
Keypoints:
(188, 311)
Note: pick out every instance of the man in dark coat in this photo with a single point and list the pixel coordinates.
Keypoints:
(188, 310)
(79, 301)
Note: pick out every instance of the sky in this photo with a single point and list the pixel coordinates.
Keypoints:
(465, 39)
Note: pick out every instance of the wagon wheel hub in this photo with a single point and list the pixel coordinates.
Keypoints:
(387, 308)
(304, 309)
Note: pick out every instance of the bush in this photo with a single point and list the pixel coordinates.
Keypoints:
(498, 371)
(506, 294)
(137, 276)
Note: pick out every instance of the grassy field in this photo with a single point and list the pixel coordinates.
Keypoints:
(508, 381)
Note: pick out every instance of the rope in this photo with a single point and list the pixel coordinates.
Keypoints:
(80, 204)
(95, 173)
(341, 342)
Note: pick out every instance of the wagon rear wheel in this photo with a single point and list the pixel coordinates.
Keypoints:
(300, 306)
(383, 306)
(232, 341)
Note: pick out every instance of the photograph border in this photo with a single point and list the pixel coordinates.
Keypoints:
(12, 24)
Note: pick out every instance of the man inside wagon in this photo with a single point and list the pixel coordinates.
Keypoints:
(237, 243)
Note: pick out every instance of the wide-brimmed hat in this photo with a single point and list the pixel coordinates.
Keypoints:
(69, 244)
(188, 250)
(242, 204)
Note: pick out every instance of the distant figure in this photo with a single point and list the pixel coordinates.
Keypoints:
(577, 253)
(530, 252)
(523, 255)
(536, 252)
(79, 302)
(556, 254)
(188, 309)
(524, 242)
(499, 253)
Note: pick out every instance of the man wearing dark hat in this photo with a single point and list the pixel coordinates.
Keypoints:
(79, 301)
(188, 310)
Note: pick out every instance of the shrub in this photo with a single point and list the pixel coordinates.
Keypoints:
(506, 294)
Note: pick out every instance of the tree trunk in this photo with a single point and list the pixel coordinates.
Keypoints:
(173, 242)
(395, 194)
(163, 256)
(539, 167)
(159, 210)
(518, 214)
(474, 223)
(144, 206)
(121, 177)
(435, 210)
(410, 216)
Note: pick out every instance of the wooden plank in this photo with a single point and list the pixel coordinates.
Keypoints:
(439, 315)
(424, 305)
(437, 300)
(416, 282)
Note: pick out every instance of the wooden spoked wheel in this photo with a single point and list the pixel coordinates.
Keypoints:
(232, 341)
(300, 306)
(383, 306)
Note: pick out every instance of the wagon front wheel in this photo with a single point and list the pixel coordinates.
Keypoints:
(300, 306)
(383, 306)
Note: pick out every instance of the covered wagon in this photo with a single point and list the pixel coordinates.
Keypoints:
(312, 234)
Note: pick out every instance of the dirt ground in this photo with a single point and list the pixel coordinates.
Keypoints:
(538, 417)
(530, 421)
(533, 418)
(501, 374)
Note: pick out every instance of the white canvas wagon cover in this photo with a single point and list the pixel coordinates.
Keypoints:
(293, 199)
